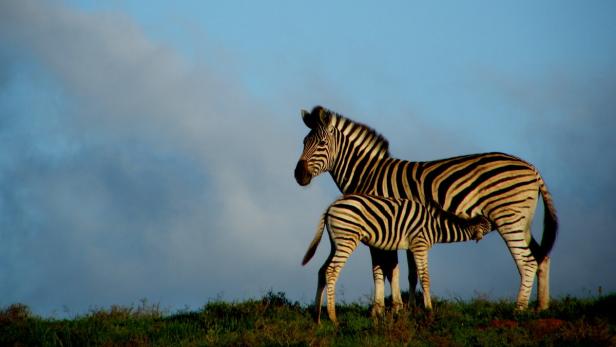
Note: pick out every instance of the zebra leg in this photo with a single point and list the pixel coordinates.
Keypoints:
(389, 260)
(543, 284)
(394, 279)
(517, 236)
(412, 276)
(318, 302)
(385, 265)
(331, 276)
(378, 268)
(420, 254)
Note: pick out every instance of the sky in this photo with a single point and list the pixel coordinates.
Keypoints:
(148, 151)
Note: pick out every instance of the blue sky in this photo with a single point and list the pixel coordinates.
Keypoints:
(148, 150)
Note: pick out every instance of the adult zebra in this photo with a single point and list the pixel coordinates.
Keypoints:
(388, 224)
(498, 186)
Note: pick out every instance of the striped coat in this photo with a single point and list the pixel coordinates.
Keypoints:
(500, 187)
(387, 224)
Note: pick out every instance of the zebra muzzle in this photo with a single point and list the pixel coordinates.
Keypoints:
(302, 176)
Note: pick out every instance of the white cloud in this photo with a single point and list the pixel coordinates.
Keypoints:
(172, 182)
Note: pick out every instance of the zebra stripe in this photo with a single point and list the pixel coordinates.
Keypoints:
(498, 186)
(387, 224)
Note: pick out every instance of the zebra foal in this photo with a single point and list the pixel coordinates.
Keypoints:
(387, 224)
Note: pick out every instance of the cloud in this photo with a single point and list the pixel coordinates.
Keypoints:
(564, 124)
(131, 173)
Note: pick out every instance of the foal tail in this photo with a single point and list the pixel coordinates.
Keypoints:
(315, 242)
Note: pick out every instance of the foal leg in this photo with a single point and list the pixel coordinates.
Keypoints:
(385, 265)
(318, 301)
(412, 276)
(420, 254)
(378, 274)
(392, 273)
(331, 276)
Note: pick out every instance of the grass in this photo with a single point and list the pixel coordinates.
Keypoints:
(276, 321)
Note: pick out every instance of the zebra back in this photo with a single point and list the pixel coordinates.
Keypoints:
(495, 185)
(389, 223)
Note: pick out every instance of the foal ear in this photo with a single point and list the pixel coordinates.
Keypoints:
(319, 117)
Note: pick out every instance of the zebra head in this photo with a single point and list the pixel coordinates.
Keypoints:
(319, 146)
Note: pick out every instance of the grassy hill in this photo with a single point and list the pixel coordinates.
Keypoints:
(274, 320)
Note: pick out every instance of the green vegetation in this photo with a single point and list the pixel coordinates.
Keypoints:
(274, 320)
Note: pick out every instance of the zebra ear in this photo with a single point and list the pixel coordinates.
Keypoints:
(307, 118)
(324, 117)
(319, 117)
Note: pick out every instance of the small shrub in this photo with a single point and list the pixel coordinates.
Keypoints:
(14, 313)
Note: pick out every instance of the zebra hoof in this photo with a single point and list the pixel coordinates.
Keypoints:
(519, 308)
(377, 311)
(396, 308)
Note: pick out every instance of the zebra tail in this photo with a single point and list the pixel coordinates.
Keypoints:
(550, 221)
(315, 242)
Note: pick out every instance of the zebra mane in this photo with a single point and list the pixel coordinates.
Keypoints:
(343, 123)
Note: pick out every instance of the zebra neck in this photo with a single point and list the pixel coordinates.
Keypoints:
(358, 150)
(356, 173)
(451, 228)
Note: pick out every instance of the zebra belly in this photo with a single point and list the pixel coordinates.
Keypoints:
(393, 246)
